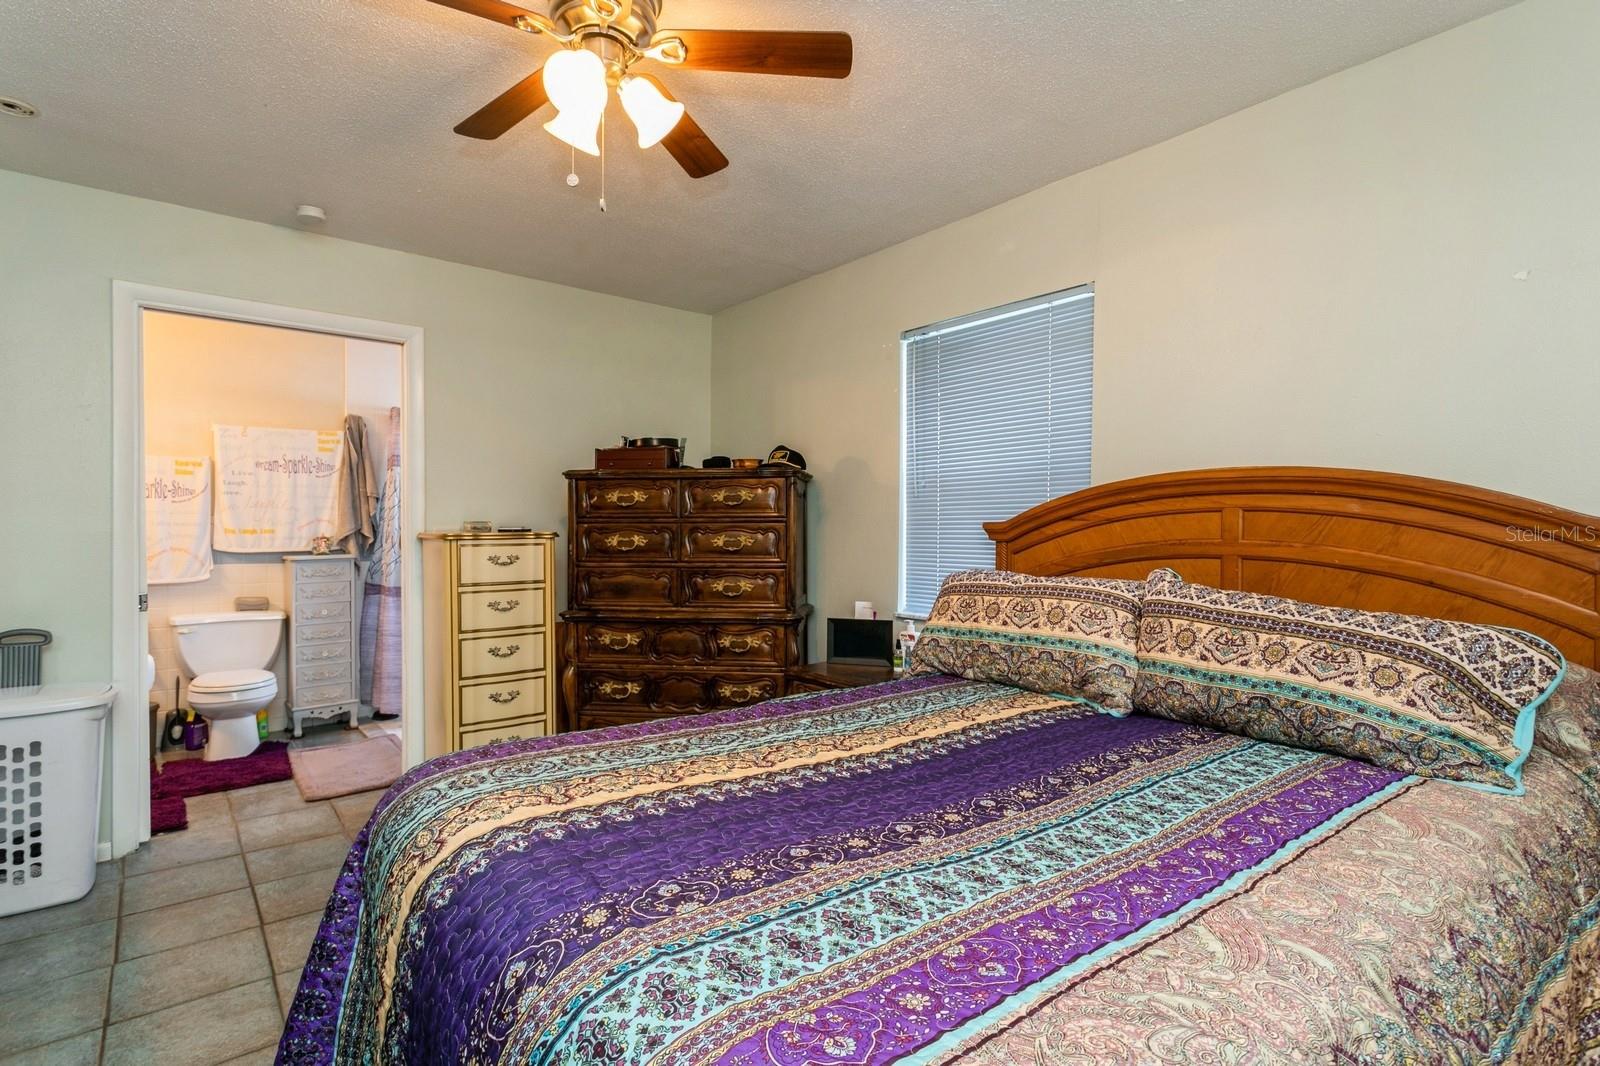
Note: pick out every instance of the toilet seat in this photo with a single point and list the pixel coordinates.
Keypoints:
(233, 684)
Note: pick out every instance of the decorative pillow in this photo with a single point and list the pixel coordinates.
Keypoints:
(1422, 695)
(1070, 636)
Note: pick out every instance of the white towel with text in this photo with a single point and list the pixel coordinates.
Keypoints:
(276, 489)
(177, 519)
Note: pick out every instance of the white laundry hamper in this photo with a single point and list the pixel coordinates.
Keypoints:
(51, 746)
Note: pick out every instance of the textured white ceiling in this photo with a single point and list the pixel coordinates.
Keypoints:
(249, 109)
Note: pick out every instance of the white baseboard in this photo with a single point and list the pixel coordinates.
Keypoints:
(102, 851)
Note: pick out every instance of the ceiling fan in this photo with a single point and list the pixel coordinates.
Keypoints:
(602, 42)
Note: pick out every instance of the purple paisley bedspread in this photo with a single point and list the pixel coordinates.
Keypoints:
(937, 870)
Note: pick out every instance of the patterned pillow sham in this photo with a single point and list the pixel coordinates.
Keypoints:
(1068, 636)
(1439, 699)
(1569, 724)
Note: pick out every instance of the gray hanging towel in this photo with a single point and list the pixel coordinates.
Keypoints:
(357, 496)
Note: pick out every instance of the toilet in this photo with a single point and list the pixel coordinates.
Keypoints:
(227, 653)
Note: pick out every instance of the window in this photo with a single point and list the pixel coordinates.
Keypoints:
(997, 419)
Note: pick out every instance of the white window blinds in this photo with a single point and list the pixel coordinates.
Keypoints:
(997, 419)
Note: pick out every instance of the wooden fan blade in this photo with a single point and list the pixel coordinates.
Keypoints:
(507, 109)
(796, 54)
(687, 142)
(693, 150)
(493, 10)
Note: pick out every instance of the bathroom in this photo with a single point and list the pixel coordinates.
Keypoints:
(272, 559)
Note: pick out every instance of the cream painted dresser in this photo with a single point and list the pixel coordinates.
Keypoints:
(488, 634)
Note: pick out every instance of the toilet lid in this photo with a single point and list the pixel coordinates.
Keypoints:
(232, 680)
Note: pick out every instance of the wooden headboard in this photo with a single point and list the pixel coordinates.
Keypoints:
(1352, 538)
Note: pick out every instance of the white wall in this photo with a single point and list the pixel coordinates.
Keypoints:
(1326, 278)
(523, 378)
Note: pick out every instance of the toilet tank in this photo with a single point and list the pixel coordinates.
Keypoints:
(227, 640)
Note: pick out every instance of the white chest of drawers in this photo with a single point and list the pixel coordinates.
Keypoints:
(320, 598)
(488, 638)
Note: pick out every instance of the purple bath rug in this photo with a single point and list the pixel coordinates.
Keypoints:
(168, 813)
(196, 777)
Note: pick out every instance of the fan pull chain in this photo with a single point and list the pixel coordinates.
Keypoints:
(602, 162)
(572, 170)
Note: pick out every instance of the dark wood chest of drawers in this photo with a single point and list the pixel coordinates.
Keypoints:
(686, 591)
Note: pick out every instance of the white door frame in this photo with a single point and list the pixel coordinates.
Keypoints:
(129, 784)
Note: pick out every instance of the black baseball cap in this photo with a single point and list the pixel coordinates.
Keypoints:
(783, 455)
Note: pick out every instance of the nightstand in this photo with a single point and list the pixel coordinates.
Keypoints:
(819, 677)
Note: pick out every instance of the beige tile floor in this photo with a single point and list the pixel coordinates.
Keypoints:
(189, 950)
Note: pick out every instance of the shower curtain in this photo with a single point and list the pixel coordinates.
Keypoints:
(380, 607)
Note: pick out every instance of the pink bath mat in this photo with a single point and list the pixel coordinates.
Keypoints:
(345, 769)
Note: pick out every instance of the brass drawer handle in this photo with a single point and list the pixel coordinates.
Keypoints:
(739, 644)
(626, 497)
(732, 497)
(503, 560)
(503, 606)
(732, 542)
(741, 693)
(505, 697)
(618, 690)
(617, 641)
(626, 542)
(506, 652)
(731, 587)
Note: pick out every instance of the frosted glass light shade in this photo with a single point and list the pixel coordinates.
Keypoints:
(575, 80)
(652, 113)
(581, 129)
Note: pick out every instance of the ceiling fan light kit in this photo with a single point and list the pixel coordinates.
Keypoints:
(602, 40)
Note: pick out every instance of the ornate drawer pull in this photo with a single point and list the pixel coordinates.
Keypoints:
(509, 559)
(730, 586)
(732, 542)
(506, 652)
(739, 644)
(626, 542)
(732, 497)
(626, 497)
(741, 693)
(503, 606)
(505, 697)
(617, 641)
(618, 690)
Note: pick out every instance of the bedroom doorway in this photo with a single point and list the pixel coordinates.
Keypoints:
(183, 412)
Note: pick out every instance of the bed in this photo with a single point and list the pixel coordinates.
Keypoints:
(943, 870)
